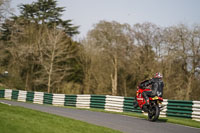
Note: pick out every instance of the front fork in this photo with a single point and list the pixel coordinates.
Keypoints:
(156, 103)
(160, 105)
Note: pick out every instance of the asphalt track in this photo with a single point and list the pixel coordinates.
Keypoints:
(122, 123)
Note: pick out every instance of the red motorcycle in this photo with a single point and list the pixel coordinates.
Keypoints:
(153, 109)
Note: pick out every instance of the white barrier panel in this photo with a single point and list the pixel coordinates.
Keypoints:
(58, 99)
(38, 97)
(22, 96)
(83, 101)
(8, 94)
(114, 103)
(164, 108)
(196, 110)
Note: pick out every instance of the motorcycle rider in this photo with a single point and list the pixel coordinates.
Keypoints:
(156, 84)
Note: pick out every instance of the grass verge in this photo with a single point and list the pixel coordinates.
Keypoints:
(21, 120)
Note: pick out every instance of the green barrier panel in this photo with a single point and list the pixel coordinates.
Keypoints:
(178, 108)
(129, 102)
(2, 93)
(179, 111)
(97, 105)
(97, 101)
(180, 104)
(70, 100)
(179, 101)
(15, 94)
(30, 96)
(48, 98)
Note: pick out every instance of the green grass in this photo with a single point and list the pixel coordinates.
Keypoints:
(181, 121)
(21, 120)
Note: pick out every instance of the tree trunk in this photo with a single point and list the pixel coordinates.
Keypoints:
(51, 67)
(49, 83)
(113, 82)
(27, 78)
(189, 88)
(114, 78)
(49, 78)
(125, 89)
(50, 73)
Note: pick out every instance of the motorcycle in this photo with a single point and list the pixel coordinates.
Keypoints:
(153, 109)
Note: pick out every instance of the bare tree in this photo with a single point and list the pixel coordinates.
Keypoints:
(55, 50)
(182, 58)
(41, 55)
(193, 57)
(96, 69)
(145, 36)
(113, 40)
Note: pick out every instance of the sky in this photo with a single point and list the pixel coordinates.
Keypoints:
(86, 13)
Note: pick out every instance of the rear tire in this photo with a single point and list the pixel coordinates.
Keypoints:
(153, 113)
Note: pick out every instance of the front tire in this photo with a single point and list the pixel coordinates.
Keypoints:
(153, 113)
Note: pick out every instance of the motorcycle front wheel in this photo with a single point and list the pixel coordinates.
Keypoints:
(153, 113)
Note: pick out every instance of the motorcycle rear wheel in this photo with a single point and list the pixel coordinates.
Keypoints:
(153, 113)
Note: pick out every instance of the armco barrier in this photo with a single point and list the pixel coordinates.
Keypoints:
(179, 108)
(175, 108)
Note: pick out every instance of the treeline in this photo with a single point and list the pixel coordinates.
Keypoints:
(120, 56)
(39, 53)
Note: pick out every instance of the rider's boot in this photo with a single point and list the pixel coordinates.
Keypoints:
(135, 105)
(146, 105)
(146, 98)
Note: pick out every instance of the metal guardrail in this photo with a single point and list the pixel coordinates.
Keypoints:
(175, 108)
